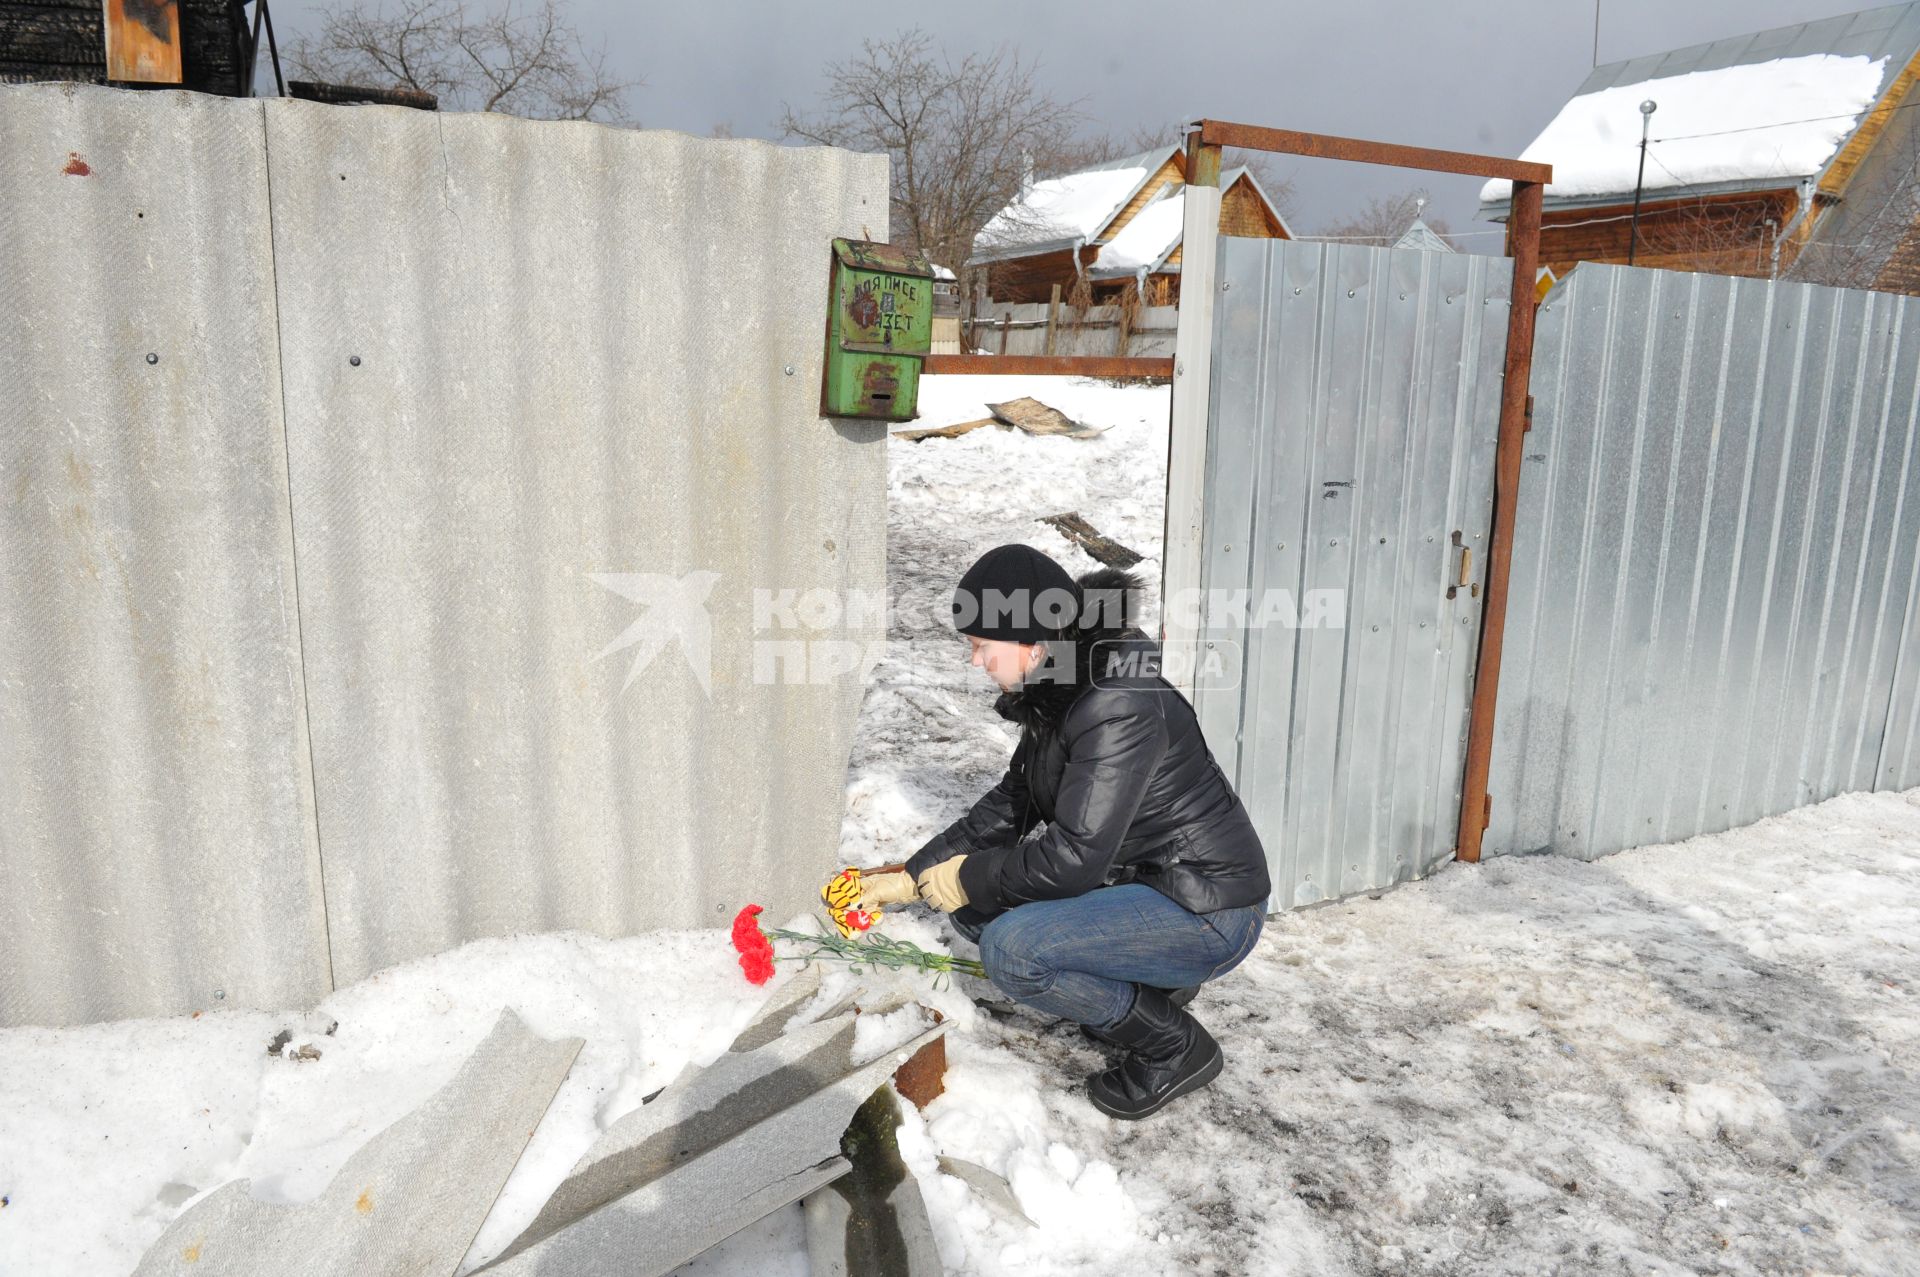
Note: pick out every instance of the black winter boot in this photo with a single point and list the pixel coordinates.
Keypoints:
(1169, 1054)
(1179, 998)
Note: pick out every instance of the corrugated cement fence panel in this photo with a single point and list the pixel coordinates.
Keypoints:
(1714, 559)
(156, 819)
(552, 407)
(1354, 413)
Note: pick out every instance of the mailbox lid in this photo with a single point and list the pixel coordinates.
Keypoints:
(891, 259)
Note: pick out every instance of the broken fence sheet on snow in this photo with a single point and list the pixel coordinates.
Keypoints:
(953, 431)
(409, 1203)
(1104, 549)
(748, 1134)
(1037, 418)
(991, 1187)
(758, 1129)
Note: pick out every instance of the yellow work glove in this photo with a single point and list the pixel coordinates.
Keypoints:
(940, 885)
(880, 889)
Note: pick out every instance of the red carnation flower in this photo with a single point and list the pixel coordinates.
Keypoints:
(756, 951)
(758, 966)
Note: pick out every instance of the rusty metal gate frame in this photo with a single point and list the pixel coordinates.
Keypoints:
(1192, 376)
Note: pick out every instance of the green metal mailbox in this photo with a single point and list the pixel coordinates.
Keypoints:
(879, 330)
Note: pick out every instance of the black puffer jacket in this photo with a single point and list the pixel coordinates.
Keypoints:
(1114, 761)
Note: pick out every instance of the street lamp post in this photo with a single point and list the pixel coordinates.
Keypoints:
(1647, 109)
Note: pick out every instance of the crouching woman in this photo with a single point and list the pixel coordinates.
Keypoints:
(1147, 879)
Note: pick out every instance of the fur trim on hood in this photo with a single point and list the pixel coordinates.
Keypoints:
(1109, 607)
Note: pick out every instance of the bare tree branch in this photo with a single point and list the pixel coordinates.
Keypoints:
(1384, 219)
(962, 135)
(514, 57)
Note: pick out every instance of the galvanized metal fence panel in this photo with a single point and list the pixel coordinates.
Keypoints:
(156, 815)
(1715, 558)
(518, 357)
(1900, 748)
(1352, 422)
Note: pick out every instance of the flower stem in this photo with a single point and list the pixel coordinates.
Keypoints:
(877, 951)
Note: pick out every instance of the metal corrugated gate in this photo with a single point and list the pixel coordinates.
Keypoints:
(1352, 420)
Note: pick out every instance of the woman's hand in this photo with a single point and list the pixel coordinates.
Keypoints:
(940, 885)
(878, 890)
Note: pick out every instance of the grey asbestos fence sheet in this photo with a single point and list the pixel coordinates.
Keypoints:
(695, 1114)
(552, 400)
(661, 1188)
(1714, 561)
(156, 812)
(1352, 424)
(990, 1186)
(407, 1204)
(771, 1020)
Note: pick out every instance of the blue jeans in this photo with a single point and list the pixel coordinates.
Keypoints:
(1080, 958)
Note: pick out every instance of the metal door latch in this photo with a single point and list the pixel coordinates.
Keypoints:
(1466, 570)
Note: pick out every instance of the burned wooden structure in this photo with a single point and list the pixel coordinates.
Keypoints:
(69, 40)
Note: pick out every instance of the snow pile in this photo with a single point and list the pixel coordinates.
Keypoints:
(106, 1131)
(1782, 119)
(1072, 207)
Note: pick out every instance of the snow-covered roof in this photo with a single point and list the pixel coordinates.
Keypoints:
(1423, 238)
(1752, 111)
(1145, 242)
(1074, 206)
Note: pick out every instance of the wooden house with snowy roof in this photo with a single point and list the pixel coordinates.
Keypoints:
(1788, 152)
(1110, 225)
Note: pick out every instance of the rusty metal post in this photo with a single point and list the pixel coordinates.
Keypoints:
(923, 1078)
(1523, 235)
(1145, 367)
(1323, 146)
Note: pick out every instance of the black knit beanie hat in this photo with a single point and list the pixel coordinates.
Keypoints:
(1015, 592)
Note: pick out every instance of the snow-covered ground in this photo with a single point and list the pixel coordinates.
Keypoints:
(1696, 1058)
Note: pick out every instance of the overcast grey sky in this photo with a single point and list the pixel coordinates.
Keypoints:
(1476, 75)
